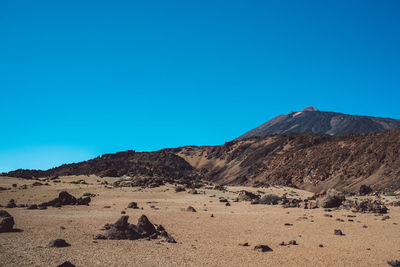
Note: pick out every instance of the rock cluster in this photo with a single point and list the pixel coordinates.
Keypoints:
(366, 206)
(122, 230)
(64, 198)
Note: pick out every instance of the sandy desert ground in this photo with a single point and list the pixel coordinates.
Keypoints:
(202, 240)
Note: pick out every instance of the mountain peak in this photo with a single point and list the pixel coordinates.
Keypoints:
(310, 108)
(311, 120)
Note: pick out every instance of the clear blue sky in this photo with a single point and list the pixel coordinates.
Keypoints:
(83, 78)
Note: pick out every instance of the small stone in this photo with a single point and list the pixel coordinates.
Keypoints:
(245, 244)
(338, 232)
(262, 248)
(133, 205)
(293, 242)
(190, 209)
(66, 264)
(320, 245)
(58, 243)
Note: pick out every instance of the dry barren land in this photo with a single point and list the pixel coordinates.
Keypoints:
(208, 237)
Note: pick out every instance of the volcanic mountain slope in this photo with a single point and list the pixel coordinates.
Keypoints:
(308, 161)
(312, 120)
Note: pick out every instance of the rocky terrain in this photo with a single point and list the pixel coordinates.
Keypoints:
(308, 161)
(304, 160)
(177, 224)
(312, 120)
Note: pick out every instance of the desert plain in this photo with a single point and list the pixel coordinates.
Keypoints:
(212, 236)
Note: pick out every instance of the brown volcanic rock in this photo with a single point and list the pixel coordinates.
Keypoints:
(310, 161)
(122, 230)
(6, 221)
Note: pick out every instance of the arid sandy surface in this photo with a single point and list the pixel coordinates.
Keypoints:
(202, 240)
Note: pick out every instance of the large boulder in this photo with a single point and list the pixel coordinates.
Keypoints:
(270, 199)
(146, 226)
(332, 199)
(365, 190)
(247, 196)
(6, 221)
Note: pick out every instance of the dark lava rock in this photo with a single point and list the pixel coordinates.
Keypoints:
(6, 222)
(66, 264)
(99, 236)
(64, 198)
(11, 204)
(145, 225)
(123, 212)
(190, 209)
(293, 242)
(170, 239)
(133, 205)
(121, 230)
(365, 190)
(37, 184)
(179, 189)
(270, 199)
(227, 204)
(394, 263)
(338, 232)
(367, 206)
(32, 207)
(58, 243)
(262, 248)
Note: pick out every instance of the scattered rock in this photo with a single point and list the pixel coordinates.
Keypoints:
(133, 205)
(365, 190)
(395, 263)
(262, 248)
(192, 191)
(66, 264)
(6, 222)
(58, 243)
(245, 244)
(123, 212)
(293, 242)
(32, 207)
(320, 245)
(179, 189)
(338, 232)
(190, 209)
(11, 204)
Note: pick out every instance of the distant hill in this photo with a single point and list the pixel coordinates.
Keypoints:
(311, 120)
(305, 160)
